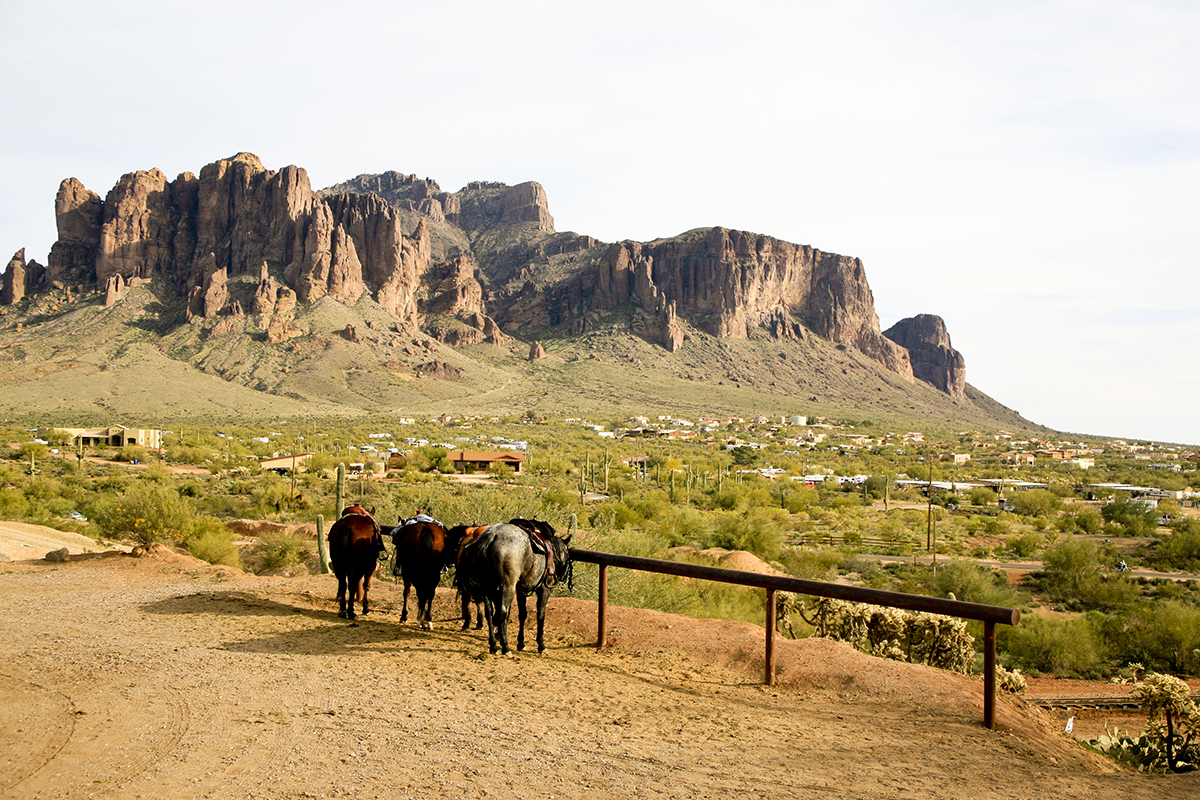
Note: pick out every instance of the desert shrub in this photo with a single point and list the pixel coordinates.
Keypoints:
(757, 530)
(1181, 549)
(207, 538)
(619, 515)
(1070, 567)
(282, 551)
(1130, 517)
(995, 526)
(13, 503)
(131, 453)
(799, 499)
(1086, 519)
(980, 496)
(1163, 636)
(682, 525)
(145, 513)
(1023, 545)
(818, 565)
(1066, 646)
(1036, 503)
(975, 584)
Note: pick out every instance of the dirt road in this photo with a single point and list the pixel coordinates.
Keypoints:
(162, 677)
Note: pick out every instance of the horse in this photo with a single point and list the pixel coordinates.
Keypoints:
(354, 547)
(422, 553)
(504, 564)
(465, 535)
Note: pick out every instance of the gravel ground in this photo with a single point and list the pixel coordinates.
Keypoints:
(161, 676)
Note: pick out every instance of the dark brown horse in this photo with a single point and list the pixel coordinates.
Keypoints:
(354, 548)
(464, 535)
(422, 554)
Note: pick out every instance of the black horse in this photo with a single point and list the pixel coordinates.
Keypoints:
(509, 561)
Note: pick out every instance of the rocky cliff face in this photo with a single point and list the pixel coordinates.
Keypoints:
(730, 284)
(240, 236)
(934, 360)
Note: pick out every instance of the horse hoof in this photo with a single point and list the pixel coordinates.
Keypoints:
(341, 614)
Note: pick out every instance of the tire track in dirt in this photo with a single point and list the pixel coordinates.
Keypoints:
(40, 719)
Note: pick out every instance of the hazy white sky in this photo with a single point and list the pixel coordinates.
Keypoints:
(1029, 171)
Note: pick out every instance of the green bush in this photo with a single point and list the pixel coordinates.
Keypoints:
(1036, 503)
(757, 530)
(975, 584)
(207, 538)
(1181, 549)
(1130, 517)
(980, 496)
(1164, 636)
(145, 513)
(1023, 545)
(1066, 646)
(282, 551)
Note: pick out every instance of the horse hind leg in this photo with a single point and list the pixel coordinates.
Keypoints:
(366, 590)
(404, 605)
(425, 608)
(466, 609)
(351, 597)
(508, 594)
(341, 596)
(522, 613)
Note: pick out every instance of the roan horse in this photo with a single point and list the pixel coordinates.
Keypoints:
(507, 562)
(354, 547)
(422, 553)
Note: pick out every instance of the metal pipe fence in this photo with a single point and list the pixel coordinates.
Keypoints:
(990, 616)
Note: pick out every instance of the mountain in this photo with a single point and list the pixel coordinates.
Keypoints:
(385, 292)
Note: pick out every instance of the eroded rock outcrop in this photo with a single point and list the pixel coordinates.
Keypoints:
(79, 214)
(15, 280)
(933, 358)
(114, 289)
(729, 284)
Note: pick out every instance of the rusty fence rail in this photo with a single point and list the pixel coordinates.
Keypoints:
(990, 616)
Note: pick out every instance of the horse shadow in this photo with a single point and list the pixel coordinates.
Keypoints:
(323, 633)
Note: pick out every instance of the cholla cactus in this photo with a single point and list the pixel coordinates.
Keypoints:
(1174, 719)
(1010, 681)
(893, 633)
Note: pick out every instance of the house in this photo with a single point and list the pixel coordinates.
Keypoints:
(475, 460)
(111, 436)
(285, 463)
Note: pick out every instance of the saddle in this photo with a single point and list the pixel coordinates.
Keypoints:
(539, 539)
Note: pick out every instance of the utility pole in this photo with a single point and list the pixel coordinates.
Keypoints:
(929, 522)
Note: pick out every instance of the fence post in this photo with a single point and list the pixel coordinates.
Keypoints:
(770, 659)
(602, 608)
(322, 545)
(989, 675)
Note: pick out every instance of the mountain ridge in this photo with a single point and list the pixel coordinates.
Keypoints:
(242, 259)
